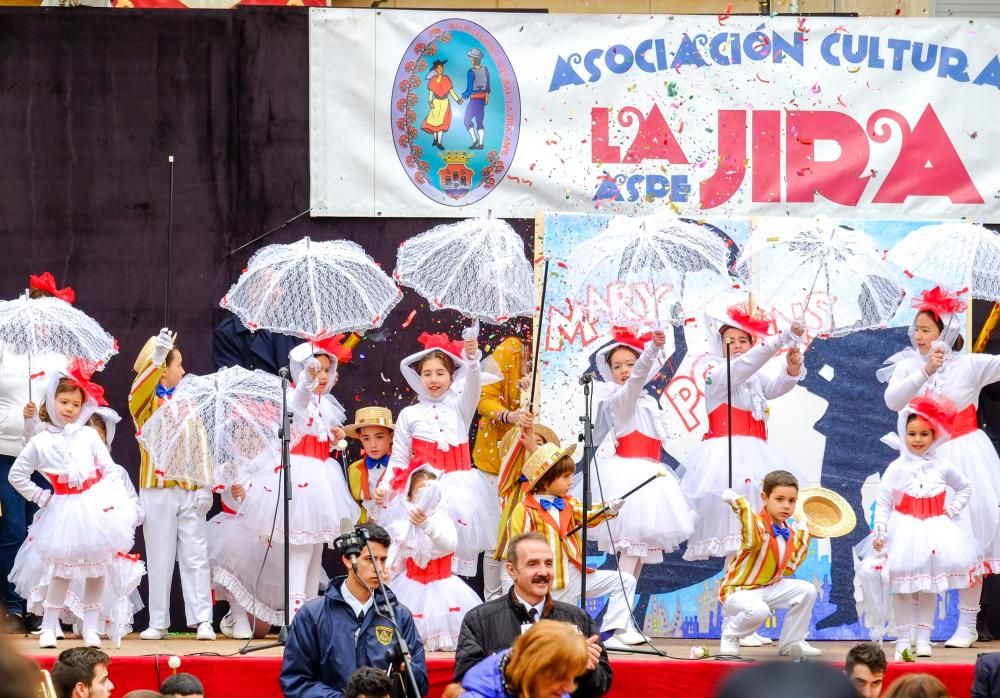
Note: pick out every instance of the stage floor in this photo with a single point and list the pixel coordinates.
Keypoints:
(225, 673)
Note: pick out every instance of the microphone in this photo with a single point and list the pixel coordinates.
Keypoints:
(283, 372)
(587, 378)
(349, 543)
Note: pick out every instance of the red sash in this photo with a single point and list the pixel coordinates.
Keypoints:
(638, 445)
(312, 447)
(63, 488)
(455, 459)
(921, 507)
(966, 422)
(743, 424)
(435, 571)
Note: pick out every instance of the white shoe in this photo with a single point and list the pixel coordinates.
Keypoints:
(205, 631)
(152, 633)
(613, 643)
(47, 639)
(900, 649)
(963, 637)
(631, 637)
(91, 639)
(923, 649)
(226, 625)
(729, 646)
(800, 649)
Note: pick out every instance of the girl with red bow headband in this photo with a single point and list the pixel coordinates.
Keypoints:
(86, 519)
(933, 362)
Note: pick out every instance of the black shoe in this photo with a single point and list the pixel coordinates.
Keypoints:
(440, 147)
(477, 146)
(983, 628)
(14, 624)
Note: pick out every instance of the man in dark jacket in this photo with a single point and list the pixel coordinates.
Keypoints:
(333, 636)
(495, 625)
(235, 345)
(987, 678)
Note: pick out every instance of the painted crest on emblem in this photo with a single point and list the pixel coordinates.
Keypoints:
(456, 112)
(384, 634)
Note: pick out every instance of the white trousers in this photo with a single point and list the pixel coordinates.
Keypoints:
(174, 531)
(618, 617)
(745, 611)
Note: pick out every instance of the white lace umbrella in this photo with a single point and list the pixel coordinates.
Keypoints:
(476, 266)
(956, 255)
(53, 326)
(799, 267)
(217, 429)
(312, 289)
(643, 271)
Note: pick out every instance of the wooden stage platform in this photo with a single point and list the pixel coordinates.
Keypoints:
(227, 674)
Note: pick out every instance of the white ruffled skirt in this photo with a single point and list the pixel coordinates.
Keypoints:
(975, 456)
(438, 608)
(655, 519)
(929, 555)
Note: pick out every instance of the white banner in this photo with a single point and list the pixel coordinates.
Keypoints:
(441, 114)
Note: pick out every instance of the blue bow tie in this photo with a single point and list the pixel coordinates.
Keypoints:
(165, 393)
(782, 531)
(556, 503)
(373, 463)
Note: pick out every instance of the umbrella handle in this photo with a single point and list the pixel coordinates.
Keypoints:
(471, 332)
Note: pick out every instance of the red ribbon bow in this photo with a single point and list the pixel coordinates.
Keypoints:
(940, 300)
(440, 341)
(79, 372)
(624, 335)
(335, 346)
(46, 282)
(938, 410)
(754, 324)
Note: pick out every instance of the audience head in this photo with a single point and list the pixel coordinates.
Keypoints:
(917, 686)
(453, 690)
(787, 680)
(865, 667)
(545, 661)
(368, 682)
(82, 672)
(529, 564)
(19, 676)
(143, 693)
(182, 685)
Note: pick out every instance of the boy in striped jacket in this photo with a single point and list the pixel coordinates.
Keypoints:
(758, 577)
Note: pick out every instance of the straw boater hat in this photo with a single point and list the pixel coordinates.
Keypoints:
(370, 417)
(146, 353)
(513, 435)
(830, 515)
(542, 460)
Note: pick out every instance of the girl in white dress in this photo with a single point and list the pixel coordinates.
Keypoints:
(86, 525)
(717, 531)
(933, 362)
(422, 547)
(659, 517)
(925, 551)
(320, 498)
(446, 377)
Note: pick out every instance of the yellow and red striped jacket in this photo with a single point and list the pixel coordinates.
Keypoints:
(756, 564)
(142, 403)
(511, 489)
(529, 515)
(361, 488)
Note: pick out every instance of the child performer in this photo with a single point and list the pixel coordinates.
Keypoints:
(321, 497)
(716, 532)
(446, 377)
(423, 544)
(373, 427)
(549, 510)
(933, 363)
(86, 520)
(926, 552)
(659, 518)
(174, 527)
(757, 579)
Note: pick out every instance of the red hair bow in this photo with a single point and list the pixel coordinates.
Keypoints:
(624, 335)
(937, 410)
(79, 373)
(46, 282)
(940, 300)
(440, 341)
(755, 324)
(335, 346)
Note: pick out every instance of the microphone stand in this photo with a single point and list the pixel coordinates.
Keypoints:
(729, 407)
(588, 454)
(285, 492)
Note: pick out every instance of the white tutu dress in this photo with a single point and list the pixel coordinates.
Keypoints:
(658, 517)
(435, 431)
(425, 584)
(706, 474)
(925, 549)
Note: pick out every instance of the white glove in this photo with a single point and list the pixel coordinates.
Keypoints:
(730, 497)
(164, 343)
(44, 496)
(614, 506)
(951, 511)
(203, 501)
(938, 345)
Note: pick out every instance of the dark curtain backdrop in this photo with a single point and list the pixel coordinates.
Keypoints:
(93, 102)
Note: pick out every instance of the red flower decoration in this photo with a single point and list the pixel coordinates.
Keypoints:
(940, 300)
(46, 282)
(624, 335)
(754, 324)
(936, 409)
(440, 341)
(79, 373)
